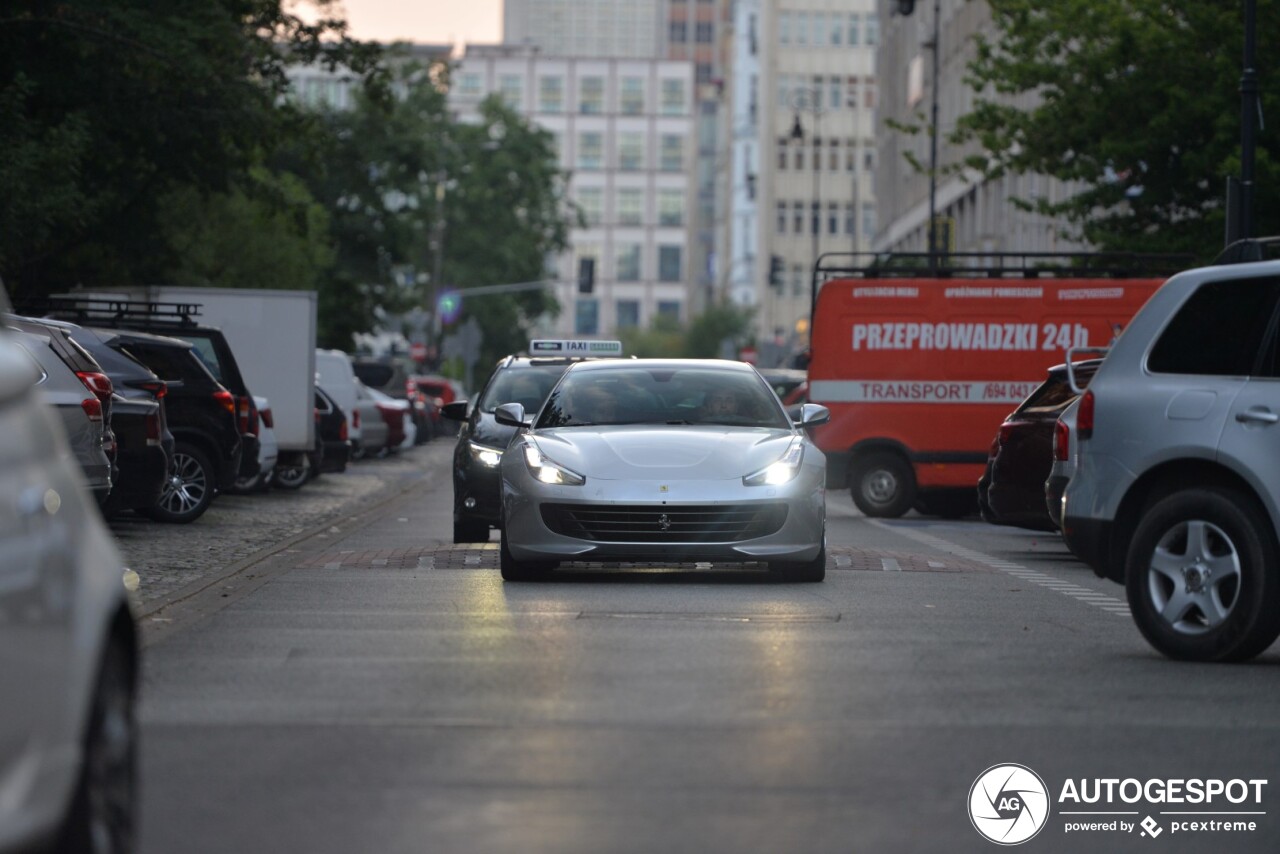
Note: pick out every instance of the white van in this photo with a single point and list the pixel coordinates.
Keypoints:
(337, 377)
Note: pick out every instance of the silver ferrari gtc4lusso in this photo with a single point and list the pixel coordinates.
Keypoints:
(663, 460)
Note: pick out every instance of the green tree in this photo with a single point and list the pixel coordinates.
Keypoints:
(109, 106)
(1136, 101)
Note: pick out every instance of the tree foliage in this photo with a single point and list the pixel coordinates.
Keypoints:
(107, 107)
(1137, 101)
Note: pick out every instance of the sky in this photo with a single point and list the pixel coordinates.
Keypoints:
(425, 21)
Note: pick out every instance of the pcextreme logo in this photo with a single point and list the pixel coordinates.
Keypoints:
(1008, 804)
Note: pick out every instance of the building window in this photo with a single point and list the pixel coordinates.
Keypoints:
(469, 85)
(628, 262)
(835, 29)
(551, 94)
(630, 151)
(797, 218)
(679, 32)
(848, 219)
(873, 30)
(632, 97)
(851, 155)
(628, 312)
(702, 73)
(671, 207)
(672, 152)
(591, 201)
(817, 154)
(819, 30)
(590, 150)
(591, 96)
(833, 155)
(851, 92)
(854, 19)
(782, 217)
(833, 218)
(670, 259)
(868, 220)
(869, 94)
(835, 92)
(673, 98)
(815, 217)
(799, 287)
(802, 27)
(782, 153)
(797, 162)
(512, 88)
(630, 207)
(868, 158)
(669, 309)
(702, 33)
(784, 28)
(586, 317)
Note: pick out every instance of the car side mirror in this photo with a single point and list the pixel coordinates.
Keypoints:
(511, 415)
(455, 411)
(811, 415)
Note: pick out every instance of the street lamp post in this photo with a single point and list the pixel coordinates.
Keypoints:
(933, 142)
(810, 100)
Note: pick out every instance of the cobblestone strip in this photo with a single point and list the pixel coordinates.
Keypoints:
(174, 562)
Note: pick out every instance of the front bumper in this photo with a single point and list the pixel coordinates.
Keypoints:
(798, 538)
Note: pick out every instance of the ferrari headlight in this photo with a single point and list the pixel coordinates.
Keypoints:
(783, 471)
(484, 455)
(547, 471)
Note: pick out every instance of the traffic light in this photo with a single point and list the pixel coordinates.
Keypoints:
(775, 271)
(586, 275)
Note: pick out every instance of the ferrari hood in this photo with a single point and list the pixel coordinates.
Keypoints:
(677, 452)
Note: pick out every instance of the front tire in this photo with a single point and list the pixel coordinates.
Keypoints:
(883, 485)
(1202, 579)
(292, 477)
(102, 814)
(803, 571)
(470, 531)
(189, 490)
(514, 570)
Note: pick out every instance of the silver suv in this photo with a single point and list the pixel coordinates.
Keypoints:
(1177, 489)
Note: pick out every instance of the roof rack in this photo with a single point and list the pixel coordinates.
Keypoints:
(991, 265)
(1250, 249)
(98, 310)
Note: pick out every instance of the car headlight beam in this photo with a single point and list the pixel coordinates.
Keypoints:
(780, 472)
(485, 455)
(547, 470)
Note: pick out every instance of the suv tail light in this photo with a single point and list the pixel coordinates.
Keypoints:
(1061, 441)
(93, 408)
(342, 431)
(1006, 430)
(153, 428)
(158, 388)
(244, 412)
(1084, 416)
(226, 400)
(355, 418)
(267, 417)
(98, 383)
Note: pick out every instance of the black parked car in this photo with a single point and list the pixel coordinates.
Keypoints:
(202, 416)
(1011, 491)
(144, 453)
(175, 320)
(332, 432)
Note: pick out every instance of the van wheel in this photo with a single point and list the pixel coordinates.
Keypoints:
(883, 484)
(292, 477)
(1202, 579)
(189, 490)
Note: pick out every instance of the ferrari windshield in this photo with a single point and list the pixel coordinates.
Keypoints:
(638, 394)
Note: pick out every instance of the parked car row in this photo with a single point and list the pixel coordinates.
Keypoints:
(1160, 462)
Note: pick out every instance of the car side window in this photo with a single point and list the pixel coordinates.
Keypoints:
(1219, 331)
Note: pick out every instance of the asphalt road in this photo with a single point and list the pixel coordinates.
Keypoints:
(379, 690)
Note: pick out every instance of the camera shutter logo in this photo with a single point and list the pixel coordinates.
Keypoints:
(1008, 804)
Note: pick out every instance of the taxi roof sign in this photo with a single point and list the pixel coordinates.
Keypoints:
(573, 347)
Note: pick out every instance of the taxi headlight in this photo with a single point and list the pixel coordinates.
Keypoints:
(780, 472)
(548, 471)
(484, 455)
